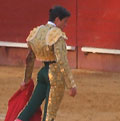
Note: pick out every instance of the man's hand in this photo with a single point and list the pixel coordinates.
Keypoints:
(73, 92)
(22, 86)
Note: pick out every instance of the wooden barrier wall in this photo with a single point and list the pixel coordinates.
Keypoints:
(94, 23)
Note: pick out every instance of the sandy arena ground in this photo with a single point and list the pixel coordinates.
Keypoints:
(98, 97)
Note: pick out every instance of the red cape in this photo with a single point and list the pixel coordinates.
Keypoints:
(18, 101)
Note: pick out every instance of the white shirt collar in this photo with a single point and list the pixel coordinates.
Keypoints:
(50, 22)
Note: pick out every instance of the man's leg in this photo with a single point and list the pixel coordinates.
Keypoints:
(38, 96)
(34, 103)
(55, 98)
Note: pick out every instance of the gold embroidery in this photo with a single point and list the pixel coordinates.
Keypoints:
(53, 35)
(36, 41)
(61, 57)
(59, 72)
(62, 70)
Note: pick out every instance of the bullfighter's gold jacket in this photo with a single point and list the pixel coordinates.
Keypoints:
(55, 50)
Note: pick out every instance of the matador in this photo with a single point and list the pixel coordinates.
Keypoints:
(47, 43)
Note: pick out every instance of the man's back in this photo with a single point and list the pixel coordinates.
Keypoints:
(37, 42)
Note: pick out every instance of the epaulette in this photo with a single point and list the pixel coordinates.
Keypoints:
(53, 35)
(34, 32)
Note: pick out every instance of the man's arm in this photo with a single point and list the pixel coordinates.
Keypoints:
(61, 58)
(29, 66)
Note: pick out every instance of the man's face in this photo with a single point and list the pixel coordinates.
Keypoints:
(61, 23)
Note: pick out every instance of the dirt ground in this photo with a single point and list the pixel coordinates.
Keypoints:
(98, 96)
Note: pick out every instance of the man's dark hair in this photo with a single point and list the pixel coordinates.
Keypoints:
(58, 11)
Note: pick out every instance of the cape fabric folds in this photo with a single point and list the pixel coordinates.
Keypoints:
(18, 101)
